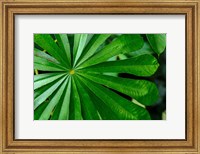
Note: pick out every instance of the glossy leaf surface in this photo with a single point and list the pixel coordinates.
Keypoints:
(79, 76)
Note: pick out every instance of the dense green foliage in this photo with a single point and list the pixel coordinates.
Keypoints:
(79, 76)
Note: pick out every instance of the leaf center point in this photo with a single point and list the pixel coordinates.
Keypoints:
(71, 72)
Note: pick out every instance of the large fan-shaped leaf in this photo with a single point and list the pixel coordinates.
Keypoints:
(78, 77)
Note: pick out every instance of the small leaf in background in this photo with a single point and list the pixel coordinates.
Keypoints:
(146, 49)
(157, 42)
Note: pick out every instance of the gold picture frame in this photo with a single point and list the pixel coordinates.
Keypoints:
(189, 8)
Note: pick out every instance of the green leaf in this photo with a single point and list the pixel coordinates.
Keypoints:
(44, 55)
(76, 44)
(75, 104)
(123, 44)
(77, 76)
(63, 43)
(96, 41)
(39, 91)
(79, 43)
(157, 42)
(61, 111)
(43, 96)
(53, 102)
(146, 49)
(43, 76)
(89, 111)
(105, 111)
(143, 91)
(64, 111)
(47, 43)
(45, 65)
(39, 110)
(54, 115)
(144, 65)
(125, 109)
(45, 81)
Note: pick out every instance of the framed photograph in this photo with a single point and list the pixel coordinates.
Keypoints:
(99, 76)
